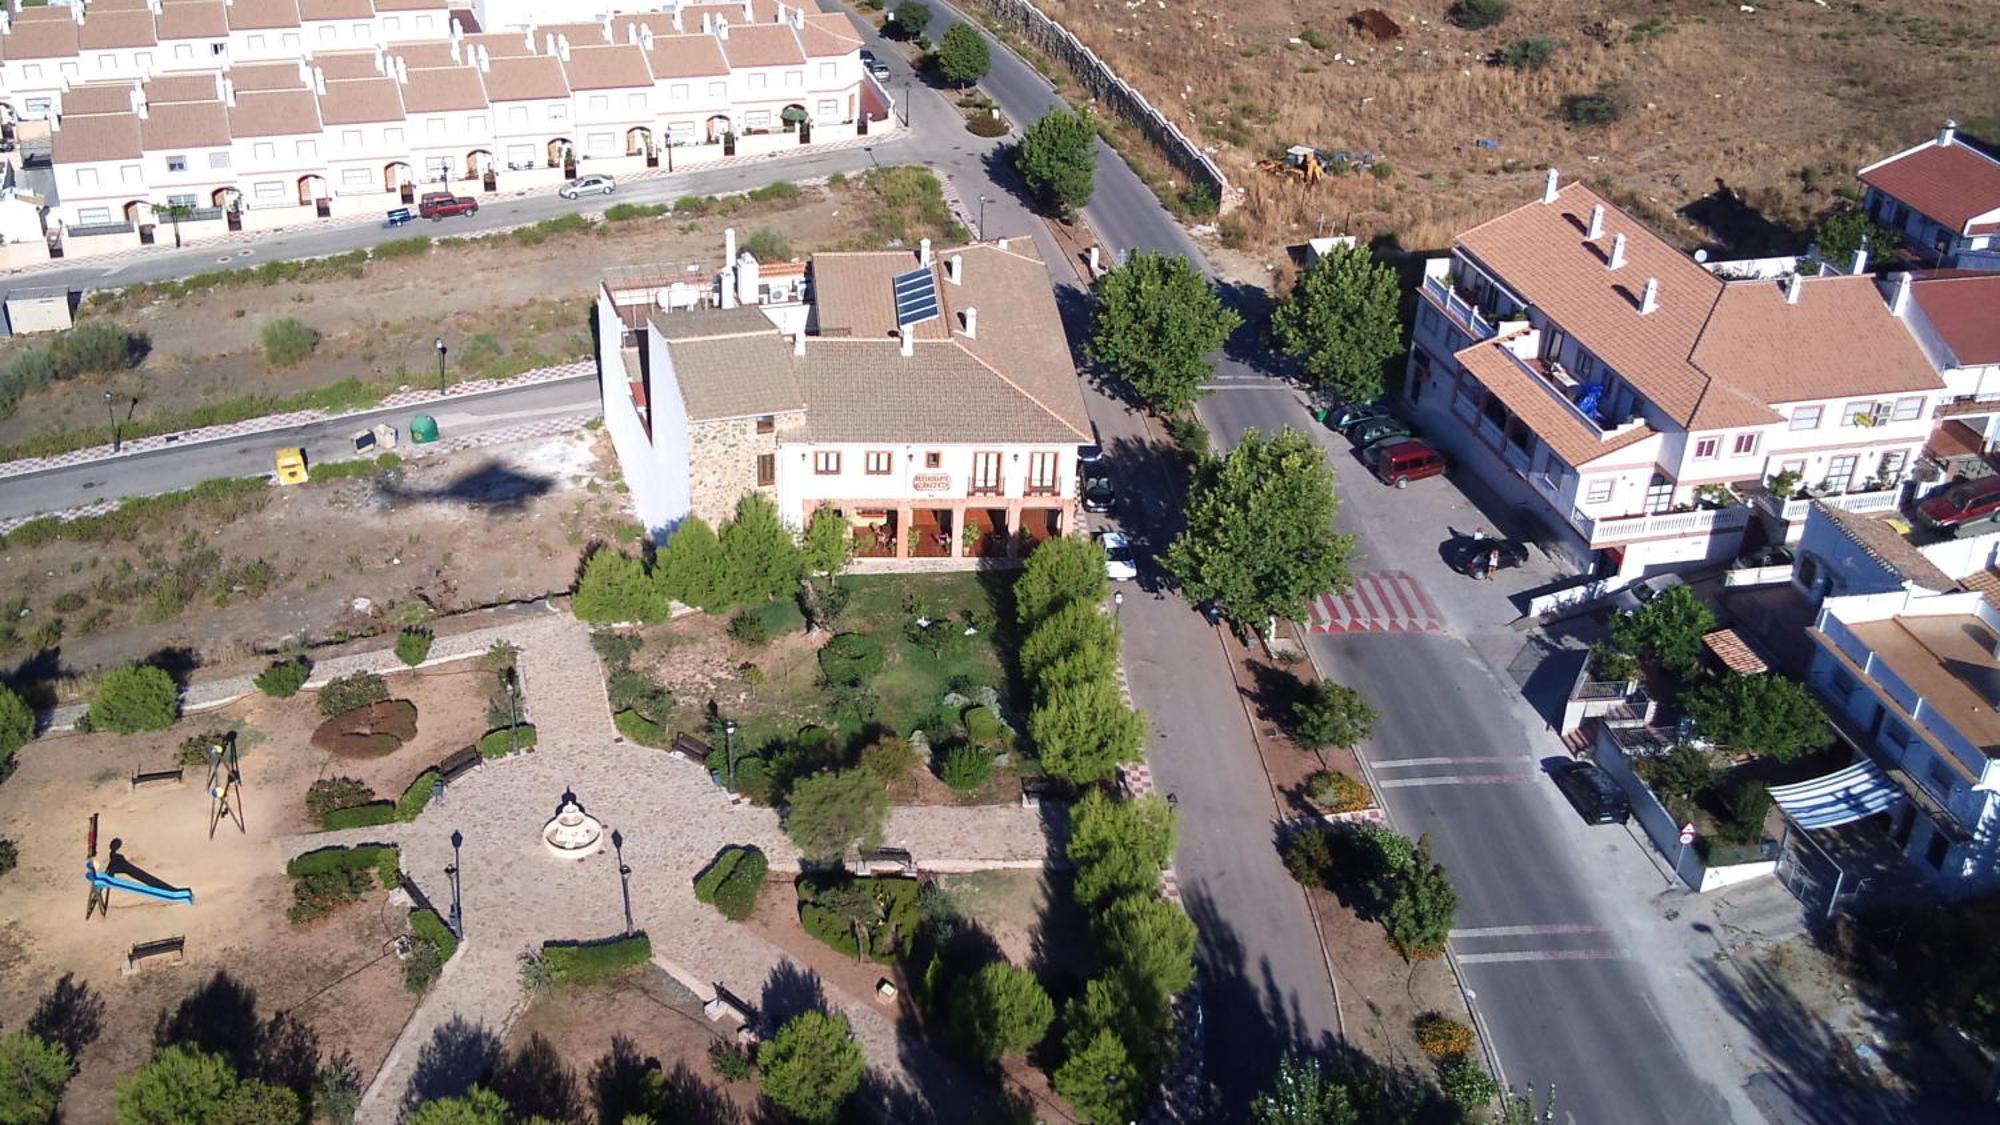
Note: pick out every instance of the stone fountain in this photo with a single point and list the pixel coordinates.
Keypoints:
(572, 833)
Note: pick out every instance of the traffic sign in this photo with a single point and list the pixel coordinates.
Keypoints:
(1687, 833)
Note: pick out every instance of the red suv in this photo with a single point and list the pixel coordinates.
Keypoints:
(1400, 461)
(1963, 502)
(442, 205)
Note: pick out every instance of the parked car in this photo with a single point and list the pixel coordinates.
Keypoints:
(1596, 796)
(1963, 502)
(398, 216)
(1118, 564)
(1353, 414)
(1098, 492)
(1479, 556)
(438, 205)
(873, 65)
(588, 185)
(1398, 459)
(1369, 432)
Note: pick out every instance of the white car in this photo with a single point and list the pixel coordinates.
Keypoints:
(1118, 564)
(589, 185)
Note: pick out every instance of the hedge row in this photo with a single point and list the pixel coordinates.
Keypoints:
(578, 963)
(425, 923)
(384, 859)
(499, 743)
(733, 881)
(404, 808)
(639, 728)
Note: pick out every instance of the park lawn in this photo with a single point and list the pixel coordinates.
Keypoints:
(910, 686)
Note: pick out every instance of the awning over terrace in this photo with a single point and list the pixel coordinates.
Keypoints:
(1842, 797)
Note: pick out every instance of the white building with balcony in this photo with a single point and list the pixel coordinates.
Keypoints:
(1955, 317)
(928, 398)
(1639, 400)
(1942, 197)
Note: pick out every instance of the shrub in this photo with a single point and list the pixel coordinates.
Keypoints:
(1532, 53)
(283, 679)
(1332, 714)
(1749, 803)
(966, 768)
(615, 588)
(852, 658)
(133, 698)
(27, 372)
(986, 124)
(1467, 1084)
(1683, 773)
(413, 645)
(383, 859)
(641, 729)
(506, 740)
(586, 963)
(369, 815)
(635, 691)
(1443, 1038)
(425, 964)
(413, 800)
(1476, 15)
(750, 629)
(288, 341)
(1767, 715)
(1001, 1010)
(1601, 106)
(9, 855)
(768, 245)
(95, 347)
(984, 727)
(329, 794)
(401, 247)
(621, 212)
(350, 692)
(321, 893)
(17, 724)
(1338, 793)
(888, 759)
(428, 927)
(733, 882)
(784, 191)
(731, 1063)
(883, 909)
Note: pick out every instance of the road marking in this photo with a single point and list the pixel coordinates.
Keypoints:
(1528, 931)
(1455, 779)
(1542, 955)
(1406, 763)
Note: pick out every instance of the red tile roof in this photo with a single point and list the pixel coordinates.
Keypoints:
(1951, 183)
(1966, 313)
(1839, 339)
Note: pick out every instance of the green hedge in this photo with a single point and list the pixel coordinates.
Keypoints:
(383, 859)
(425, 923)
(585, 963)
(639, 728)
(497, 743)
(417, 795)
(897, 900)
(733, 881)
(361, 816)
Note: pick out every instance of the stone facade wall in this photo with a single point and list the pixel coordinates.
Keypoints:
(722, 462)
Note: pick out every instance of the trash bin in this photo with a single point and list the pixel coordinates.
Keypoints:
(423, 429)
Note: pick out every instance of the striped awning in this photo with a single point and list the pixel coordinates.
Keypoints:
(1843, 797)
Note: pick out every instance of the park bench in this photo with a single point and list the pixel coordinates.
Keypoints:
(726, 1004)
(172, 776)
(689, 746)
(888, 861)
(459, 764)
(165, 951)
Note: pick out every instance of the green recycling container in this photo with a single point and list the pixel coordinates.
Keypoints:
(423, 428)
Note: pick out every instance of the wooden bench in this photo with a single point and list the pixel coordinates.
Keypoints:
(165, 951)
(173, 776)
(690, 746)
(459, 764)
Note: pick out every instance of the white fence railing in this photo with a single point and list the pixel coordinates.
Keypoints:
(1706, 521)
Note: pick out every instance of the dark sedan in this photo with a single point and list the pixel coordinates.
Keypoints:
(1480, 557)
(1098, 493)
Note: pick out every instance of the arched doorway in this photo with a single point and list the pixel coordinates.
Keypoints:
(397, 177)
(140, 214)
(794, 116)
(718, 128)
(479, 166)
(639, 142)
(562, 154)
(313, 194)
(229, 201)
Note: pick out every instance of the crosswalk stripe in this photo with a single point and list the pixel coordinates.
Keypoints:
(1542, 955)
(1454, 779)
(1528, 931)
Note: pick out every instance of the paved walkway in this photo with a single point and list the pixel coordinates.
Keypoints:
(672, 820)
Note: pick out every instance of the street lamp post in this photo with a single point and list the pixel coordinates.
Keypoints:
(513, 717)
(729, 751)
(982, 218)
(111, 416)
(457, 911)
(624, 875)
(1118, 604)
(440, 348)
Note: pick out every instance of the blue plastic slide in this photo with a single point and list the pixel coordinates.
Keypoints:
(113, 882)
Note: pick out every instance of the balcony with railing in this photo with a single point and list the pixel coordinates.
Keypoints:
(1462, 312)
(1792, 511)
(1607, 531)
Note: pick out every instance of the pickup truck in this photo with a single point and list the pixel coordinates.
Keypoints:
(440, 205)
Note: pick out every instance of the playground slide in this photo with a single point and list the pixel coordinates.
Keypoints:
(113, 882)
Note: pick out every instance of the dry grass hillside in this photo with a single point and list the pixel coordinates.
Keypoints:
(1780, 103)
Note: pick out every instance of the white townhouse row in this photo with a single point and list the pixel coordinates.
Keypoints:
(1641, 404)
(264, 144)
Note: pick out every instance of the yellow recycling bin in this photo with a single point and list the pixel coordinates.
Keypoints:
(291, 465)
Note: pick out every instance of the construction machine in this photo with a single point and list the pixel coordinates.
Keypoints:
(1302, 161)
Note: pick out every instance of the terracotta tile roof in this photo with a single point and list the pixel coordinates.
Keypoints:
(341, 65)
(410, 5)
(425, 53)
(1987, 582)
(1020, 330)
(98, 97)
(709, 323)
(607, 68)
(1953, 440)
(42, 38)
(335, 10)
(853, 294)
(687, 56)
(97, 6)
(1965, 311)
(200, 86)
(730, 363)
(1577, 442)
(259, 15)
(763, 44)
(866, 390)
(444, 90)
(582, 33)
(184, 125)
(111, 30)
(1950, 183)
(193, 19)
(662, 23)
(500, 44)
(361, 101)
(251, 77)
(525, 78)
(274, 113)
(1839, 339)
(761, 11)
(828, 35)
(1880, 541)
(1735, 652)
(105, 136)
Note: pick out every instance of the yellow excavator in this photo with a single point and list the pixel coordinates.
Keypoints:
(1302, 161)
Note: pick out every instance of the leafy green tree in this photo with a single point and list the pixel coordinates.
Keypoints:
(1766, 715)
(1001, 1010)
(33, 1072)
(1076, 634)
(912, 17)
(1151, 941)
(833, 811)
(690, 569)
(1099, 1081)
(1838, 236)
(1156, 321)
(1340, 322)
(1332, 714)
(811, 1067)
(614, 588)
(759, 556)
(17, 722)
(1466, 1082)
(413, 645)
(135, 697)
(1118, 847)
(1062, 572)
(1259, 539)
(1667, 629)
(479, 1106)
(1057, 157)
(1421, 908)
(961, 55)
(827, 546)
(1685, 772)
(186, 1084)
(1303, 1093)
(1084, 731)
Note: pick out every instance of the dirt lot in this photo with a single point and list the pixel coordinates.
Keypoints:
(446, 532)
(1717, 95)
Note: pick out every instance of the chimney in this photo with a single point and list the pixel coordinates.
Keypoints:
(748, 15)
(631, 33)
(798, 17)
(707, 24)
(721, 28)
(138, 102)
(1596, 230)
(799, 342)
(1617, 258)
(77, 11)
(55, 122)
(746, 279)
(646, 37)
(457, 28)
(678, 27)
(1649, 299)
(549, 43)
(1001, 243)
(924, 252)
(455, 57)
(952, 266)
(1793, 284)
(305, 71)
(562, 47)
(485, 59)
(781, 11)
(528, 37)
(1860, 263)
(729, 244)
(402, 70)
(1945, 135)
(153, 6)
(229, 91)
(1901, 302)
(319, 81)
(909, 334)
(610, 34)
(971, 315)
(382, 63)
(6, 22)
(1550, 186)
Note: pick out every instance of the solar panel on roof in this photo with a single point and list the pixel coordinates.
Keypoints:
(916, 297)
